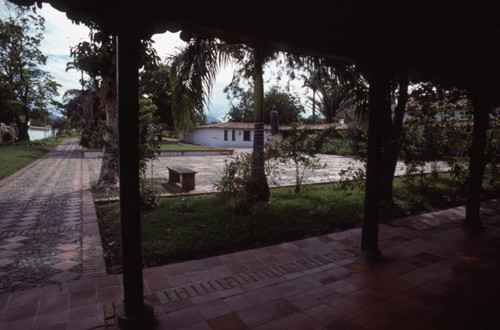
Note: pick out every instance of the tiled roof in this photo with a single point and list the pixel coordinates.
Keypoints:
(249, 126)
(233, 125)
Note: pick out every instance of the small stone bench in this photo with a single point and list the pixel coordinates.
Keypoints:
(175, 173)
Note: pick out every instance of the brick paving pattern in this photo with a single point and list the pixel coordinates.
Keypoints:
(40, 221)
(210, 168)
(434, 275)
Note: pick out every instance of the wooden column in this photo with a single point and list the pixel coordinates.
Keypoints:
(135, 313)
(379, 98)
(481, 107)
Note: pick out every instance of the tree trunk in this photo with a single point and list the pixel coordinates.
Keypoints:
(379, 101)
(258, 188)
(108, 176)
(22, 129)
(314, 107)
(481, 104)
(391, 146)
(90, 109)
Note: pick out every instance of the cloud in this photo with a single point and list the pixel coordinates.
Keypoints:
(60, 33)
(167, 44)
(56, 65)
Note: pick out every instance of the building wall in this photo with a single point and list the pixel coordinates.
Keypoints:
(214, 137)
(38, 134)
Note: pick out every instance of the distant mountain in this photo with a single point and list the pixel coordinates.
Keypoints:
(212, 120)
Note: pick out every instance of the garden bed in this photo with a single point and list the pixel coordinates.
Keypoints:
(210, 226)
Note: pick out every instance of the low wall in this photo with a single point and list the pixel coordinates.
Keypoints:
(96, 153)
(39, 133)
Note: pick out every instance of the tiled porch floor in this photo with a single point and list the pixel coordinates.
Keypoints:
(434, 275)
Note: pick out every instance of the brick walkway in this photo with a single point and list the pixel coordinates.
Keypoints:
(434, 275)
(41, 223)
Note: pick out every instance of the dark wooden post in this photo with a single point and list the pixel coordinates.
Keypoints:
(481, 105)
(379, 98)
(135, 313)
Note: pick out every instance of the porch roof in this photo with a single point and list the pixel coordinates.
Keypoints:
(452, 41)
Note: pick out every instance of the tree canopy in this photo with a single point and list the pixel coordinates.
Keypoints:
(156, 83)
(26, 91)
(288, 105)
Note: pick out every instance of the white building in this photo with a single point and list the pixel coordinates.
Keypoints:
(39, 132)
(237, 135)
(224, 135)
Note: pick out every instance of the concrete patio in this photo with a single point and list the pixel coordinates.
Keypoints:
(434, 275)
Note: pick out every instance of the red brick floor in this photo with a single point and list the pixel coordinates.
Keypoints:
(434, 275)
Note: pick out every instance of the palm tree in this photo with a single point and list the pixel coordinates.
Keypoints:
(194, 70)
(258, 187)
(340, 87)
(314, 82)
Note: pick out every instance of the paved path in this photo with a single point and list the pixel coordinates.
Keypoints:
(41, 221)
(210, 168)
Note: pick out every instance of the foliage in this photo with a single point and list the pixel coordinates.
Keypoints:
(459, 166)
(149, 129)
(288, 105)
(150, 198)
(493, 148)
(156, 84)
(340, 91)
(211, 228)
(300, 147)
(97, 59)
(352, 178)
(26, 91)
(242, 111)
(432, 129)
(425, 141)
(71, 107)
(182, 146)
(351, 142)
(193, 72)
(94, 137)
(236, 176)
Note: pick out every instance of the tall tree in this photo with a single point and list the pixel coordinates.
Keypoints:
(25, 89)
(313, 82)
(343, 88)
(97, 59)
(258, 187)
(392, 139)
(288, 105)
(156, 83)
(194, 70)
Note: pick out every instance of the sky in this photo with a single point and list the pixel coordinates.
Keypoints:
(61, 34)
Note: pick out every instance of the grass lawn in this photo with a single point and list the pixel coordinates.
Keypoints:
(15, 157)
(180, 147)
(211, 227)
